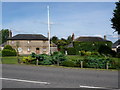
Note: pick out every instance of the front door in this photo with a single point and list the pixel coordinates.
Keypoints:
(37, 50)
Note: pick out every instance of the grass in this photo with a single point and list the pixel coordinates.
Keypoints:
(10, 60)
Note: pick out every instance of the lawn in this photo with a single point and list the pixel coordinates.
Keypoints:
(10, 60)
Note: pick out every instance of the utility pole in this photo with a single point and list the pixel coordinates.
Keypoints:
(48, 11)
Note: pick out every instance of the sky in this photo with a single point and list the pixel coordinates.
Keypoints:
(80, 18)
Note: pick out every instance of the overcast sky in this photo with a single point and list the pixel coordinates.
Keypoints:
(80, 18)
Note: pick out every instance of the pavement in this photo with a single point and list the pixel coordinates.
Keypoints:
(27, 76)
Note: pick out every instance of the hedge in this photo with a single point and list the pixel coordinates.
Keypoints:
(71, 51)
(7, 52)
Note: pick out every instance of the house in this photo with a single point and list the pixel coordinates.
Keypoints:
(116, 46)
(28, 43)
(88, 43)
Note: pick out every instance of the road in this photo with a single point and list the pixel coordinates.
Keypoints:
(26, 76)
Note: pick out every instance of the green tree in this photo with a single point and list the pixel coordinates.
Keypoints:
(54, 39)
(4, 34)
(69, 39)
(116, 18)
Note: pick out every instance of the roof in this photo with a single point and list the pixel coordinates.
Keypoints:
(28, 37)
(90, 39)
(116, 44)
(70, 45)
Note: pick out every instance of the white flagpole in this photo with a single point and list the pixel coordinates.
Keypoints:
(48, 27)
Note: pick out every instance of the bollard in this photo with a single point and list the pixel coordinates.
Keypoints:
(81, 64)
(37, 62)
(107, 65)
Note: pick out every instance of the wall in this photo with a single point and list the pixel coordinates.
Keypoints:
(29, 46)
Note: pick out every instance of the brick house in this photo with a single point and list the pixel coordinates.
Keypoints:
(28, 43)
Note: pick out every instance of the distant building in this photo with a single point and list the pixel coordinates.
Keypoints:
(28, 43)
(116, 46)
(89, 39)
(88, 43)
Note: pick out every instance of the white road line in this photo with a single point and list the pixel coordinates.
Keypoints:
(25, 81)
(92, 87)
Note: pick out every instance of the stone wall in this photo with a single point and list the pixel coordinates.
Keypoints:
(29, 46)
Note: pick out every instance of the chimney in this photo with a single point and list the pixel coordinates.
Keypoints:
(10, 33)
(105, 37)
(73, 37)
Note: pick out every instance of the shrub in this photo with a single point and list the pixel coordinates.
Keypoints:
(46, 62)
(8, 51)
(82, 53)
(27, 59)
(43, 59)
(33, 55)
(96, 62)
(106, 51)
(71, 51)
(68, 63)
(8, 47)
(58, 57)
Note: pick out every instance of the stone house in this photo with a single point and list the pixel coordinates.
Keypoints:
(28, 43)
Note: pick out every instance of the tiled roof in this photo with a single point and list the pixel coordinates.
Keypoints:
(90, 39)
(28, 37)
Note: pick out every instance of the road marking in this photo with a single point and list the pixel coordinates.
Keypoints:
(92, 87)
(25, 81)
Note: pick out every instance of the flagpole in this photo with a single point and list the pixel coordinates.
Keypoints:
(48, 11)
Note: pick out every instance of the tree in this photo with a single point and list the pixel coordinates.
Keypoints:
(4, 34)
(116, 18)
(69, 39)
(54, 39)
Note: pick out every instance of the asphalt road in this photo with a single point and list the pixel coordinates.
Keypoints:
(26, 76)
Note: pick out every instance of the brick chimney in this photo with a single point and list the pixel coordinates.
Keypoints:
(105, 37)
(10, 33)
(73, 37)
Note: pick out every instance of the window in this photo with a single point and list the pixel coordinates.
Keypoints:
(19, 49)
(12, 42)
(28, 49)
(28, 41)
(44, 49)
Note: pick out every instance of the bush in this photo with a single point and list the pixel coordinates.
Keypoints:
(68, 63)
(106, 51)
(8, 47)
(71, 51)
(8, 51)
(96, 62)
(27, 59)
(46, 62)
(58, 57)
(43, 59)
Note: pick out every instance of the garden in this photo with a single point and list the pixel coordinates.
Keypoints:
(85, 59)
